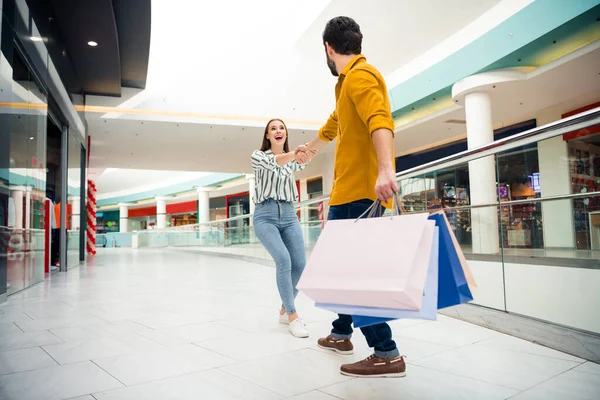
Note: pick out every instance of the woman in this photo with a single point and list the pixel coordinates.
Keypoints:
(275, 220)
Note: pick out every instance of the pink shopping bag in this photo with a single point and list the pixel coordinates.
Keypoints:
(373, 262)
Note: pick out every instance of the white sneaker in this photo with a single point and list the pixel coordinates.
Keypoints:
(284, 319)
(298, 328)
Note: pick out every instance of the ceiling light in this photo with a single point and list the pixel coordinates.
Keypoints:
(31, 138)
(91, 43)
(36, 39)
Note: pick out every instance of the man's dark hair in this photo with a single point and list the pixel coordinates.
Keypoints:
(343, 35)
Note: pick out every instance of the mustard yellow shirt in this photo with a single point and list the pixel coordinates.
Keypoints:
(362, 107)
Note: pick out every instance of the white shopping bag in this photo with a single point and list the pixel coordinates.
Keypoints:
(372, 262)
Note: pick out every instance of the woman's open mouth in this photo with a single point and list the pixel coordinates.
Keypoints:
(279, 137)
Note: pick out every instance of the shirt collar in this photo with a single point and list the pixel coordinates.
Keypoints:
(356, 60)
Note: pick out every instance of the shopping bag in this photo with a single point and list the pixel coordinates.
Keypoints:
(453, 287)
(371, 262)
(461, 256)
(364, 316)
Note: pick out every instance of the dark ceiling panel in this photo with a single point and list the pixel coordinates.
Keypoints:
(99, 68)
(120, 27)
(133, 27)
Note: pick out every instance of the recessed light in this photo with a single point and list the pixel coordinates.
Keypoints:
(91, 43)
(30, 137)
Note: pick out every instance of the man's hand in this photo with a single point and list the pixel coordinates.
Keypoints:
(303, 148)
(387, 185)
(302, 154)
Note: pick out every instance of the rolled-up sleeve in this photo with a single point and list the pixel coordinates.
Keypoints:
(370, 100)
(262, 160)
(329, 131)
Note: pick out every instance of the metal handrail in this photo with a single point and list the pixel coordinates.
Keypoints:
(553, 129)
(548, 131)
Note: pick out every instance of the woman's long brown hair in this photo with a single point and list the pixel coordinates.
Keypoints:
(266, 143)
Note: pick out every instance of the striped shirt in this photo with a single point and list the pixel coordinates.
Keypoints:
(274, 181)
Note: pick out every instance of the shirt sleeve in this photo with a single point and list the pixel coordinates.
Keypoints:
(370, 101)
(297, 167)
(262, 160)
(329, 131)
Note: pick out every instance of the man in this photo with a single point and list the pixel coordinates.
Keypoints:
(364, 171)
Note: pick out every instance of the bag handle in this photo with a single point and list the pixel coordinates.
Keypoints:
(374, 209)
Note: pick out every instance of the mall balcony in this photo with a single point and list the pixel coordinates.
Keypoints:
(496, 105)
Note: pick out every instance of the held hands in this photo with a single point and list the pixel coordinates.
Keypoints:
(386, 185)
(302, 154)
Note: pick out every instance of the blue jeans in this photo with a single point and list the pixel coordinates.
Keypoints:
(379, 336)
(276, 226)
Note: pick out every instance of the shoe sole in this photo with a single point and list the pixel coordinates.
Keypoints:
(394, 375)
(342, 352)
(299, 337)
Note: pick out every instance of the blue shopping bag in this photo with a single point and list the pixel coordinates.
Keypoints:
(453, 288)
(364, 316)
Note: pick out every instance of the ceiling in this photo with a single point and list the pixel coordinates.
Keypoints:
(130, 141)
(121, 28)
(395, 31)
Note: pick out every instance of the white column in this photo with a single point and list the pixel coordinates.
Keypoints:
(161, 212)
(252, 189)
(204, 204)
(482, 174)
(17, 195)
(303, 197)
(555, 179)
(75, 213)
(124, 217)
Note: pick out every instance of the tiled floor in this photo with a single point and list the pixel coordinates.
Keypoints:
(163, 324)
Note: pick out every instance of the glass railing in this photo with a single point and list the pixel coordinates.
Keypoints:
(24, 252)
(525, 211)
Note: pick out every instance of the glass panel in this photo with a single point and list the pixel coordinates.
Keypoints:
(73, 200)
(23, 116)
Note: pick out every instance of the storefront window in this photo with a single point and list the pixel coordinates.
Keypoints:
(23, 118)
(73, 200)
(584, 162)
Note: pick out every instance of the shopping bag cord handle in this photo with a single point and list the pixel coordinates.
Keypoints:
(374, 209)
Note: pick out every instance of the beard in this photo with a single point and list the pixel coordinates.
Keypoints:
(331, 65)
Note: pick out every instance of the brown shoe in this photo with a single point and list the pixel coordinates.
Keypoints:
(375, 367)
(340, 346)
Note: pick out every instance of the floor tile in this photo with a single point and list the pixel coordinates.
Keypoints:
(447, 332)
(23, 340)
(7, 328)
(25, 360)
(419, 384)
(203, 332)
(57, 383)
(304, 370)
(512, 343)
(14, 317)
(314, 395)
(56, 323)
(571, 385)
(249, 346)
(99, 330)
(589, 367)
(138, 368)
(511, 369)
(72, 352)
(209, 385)
(165, 320)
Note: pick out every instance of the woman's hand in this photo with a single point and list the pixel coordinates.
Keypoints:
(302, 157)
(303, 154)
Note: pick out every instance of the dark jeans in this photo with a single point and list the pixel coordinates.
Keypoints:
(379, 337)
